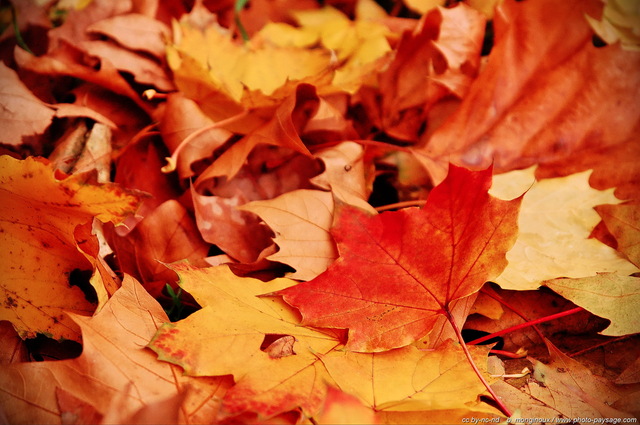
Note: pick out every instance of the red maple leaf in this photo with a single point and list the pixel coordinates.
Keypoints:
(398, 271)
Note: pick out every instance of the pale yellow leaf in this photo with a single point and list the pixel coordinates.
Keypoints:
(555, 221)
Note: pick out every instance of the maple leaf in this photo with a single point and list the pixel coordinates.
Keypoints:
(244, 76)
(114, 377)
(398, 271)
(40, 251)
(622, 221)
(225, 337)
(555, 221)
(279, 365)
(409, 379)
(606, 295)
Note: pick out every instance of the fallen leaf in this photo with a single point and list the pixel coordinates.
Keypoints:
(165, 235)
(109, 370)
(555, 221)
(181, 119)
(22, 113)
(409, 379)
(606, 295)
(283, 129)
(382, 289)
(135, 32)
(300, 220)
(244, 75)
(573, 390)
(345, 174)
(499, 121)
(623, 222)
(225, 336)
(40, 251)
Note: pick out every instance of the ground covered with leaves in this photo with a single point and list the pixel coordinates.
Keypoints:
(319, 212)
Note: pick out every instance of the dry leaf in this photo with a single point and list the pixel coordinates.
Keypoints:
(382, 289)
(40, 214)
(606, 295)
(556, 219)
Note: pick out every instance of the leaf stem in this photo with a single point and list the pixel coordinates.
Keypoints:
(403, 204)
(499, 402)
(526, 324)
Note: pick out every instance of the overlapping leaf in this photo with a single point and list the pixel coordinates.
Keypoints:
(115, 377)
(39, 249)
(398, 271)
(555, 222)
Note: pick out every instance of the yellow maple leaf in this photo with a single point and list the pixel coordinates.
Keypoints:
(254, 74)
(555, 221)
(39, 246)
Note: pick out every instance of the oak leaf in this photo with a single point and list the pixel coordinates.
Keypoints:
(115, 374)
(555, 221)
(399, 271)
(40, 250)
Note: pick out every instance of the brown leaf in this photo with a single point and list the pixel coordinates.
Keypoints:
(22, 114)
(135, 32)
(587, 93)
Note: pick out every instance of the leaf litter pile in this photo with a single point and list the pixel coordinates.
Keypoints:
(319, 212)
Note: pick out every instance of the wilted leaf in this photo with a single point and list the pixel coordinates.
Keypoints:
(115, 369)
(555, 221)
(398, 271)
(569, 387)
(606, 295)
(39, 251)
